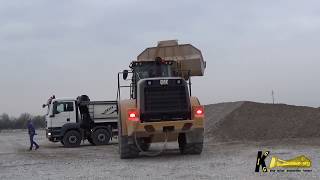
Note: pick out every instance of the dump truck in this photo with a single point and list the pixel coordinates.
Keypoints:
(72, 120)
(159, 106)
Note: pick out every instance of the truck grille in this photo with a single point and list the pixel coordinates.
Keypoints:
(165, 103)
(165, 99)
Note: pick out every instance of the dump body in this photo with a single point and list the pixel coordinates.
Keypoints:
(103, 111)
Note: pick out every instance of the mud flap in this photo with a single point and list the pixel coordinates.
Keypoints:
(126, 148)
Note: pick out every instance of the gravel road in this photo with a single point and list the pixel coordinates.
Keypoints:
(233, 160)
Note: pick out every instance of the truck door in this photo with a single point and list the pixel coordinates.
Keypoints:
(73, 111)
(62, 113)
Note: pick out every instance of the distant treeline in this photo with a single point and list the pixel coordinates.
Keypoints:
(7, 122)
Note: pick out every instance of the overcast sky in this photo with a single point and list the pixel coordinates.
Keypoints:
(73, 47)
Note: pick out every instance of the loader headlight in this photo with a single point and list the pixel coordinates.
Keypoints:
(49, 134)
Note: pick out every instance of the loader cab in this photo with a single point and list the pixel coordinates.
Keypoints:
(150, 69)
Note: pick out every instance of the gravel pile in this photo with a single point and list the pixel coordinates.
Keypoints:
(257, 121)
(215, 113)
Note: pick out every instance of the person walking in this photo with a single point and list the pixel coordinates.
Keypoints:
(32, 133)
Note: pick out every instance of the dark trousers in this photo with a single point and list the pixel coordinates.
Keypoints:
(32, 142)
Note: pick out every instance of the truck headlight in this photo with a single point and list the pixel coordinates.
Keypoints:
(49, 134)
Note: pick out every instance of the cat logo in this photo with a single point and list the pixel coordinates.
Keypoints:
(163, 82)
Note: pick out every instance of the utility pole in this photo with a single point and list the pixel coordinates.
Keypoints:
(272, 94)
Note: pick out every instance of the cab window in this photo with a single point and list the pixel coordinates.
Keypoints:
(63, 107)
(149, 70)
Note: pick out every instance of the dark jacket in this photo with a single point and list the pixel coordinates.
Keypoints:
(31, 129)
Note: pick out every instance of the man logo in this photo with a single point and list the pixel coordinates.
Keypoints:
(164, 82)
(261, 161)
(110, 110)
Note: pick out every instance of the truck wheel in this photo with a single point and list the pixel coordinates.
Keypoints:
(71, 139)
(101, 137)
(189, 148)
(127, 150)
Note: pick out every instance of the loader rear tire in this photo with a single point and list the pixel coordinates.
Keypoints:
(127, 150)
(189, 148)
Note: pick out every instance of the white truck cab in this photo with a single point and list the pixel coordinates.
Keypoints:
(70, 120)
(63, 112)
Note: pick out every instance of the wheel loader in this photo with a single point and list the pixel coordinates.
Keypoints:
(159, 106)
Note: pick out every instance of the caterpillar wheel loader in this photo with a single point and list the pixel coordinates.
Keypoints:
(160, 107)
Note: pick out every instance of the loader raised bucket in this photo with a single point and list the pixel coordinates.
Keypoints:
(189, 59)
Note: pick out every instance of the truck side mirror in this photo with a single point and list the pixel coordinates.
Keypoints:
(125, 74)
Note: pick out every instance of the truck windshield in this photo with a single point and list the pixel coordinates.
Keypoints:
(149, 70)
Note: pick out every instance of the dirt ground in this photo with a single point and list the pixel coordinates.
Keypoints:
(232, 160)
